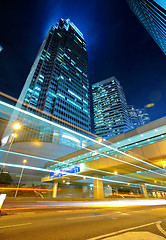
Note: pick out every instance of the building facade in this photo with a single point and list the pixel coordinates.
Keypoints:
(110, 108)
(152, 14)
(143, 116)
(58, 81)
(134, 116)
(138, 117)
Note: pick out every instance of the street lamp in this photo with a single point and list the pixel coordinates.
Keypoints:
(16, 126)
(99, 140)
(24, 162)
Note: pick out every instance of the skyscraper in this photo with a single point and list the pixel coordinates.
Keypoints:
(152, 14)
(111, 115)
(58, 81)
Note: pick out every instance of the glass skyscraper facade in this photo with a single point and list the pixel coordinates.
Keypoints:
(111, 115)
(58, 81)
(152, 14)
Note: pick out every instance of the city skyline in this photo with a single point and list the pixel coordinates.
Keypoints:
(128, 51)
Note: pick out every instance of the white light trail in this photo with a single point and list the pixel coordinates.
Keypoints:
(31, 156)
(66, 173)
(83, 136)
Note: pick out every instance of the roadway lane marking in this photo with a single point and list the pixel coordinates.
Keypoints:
(160, 228)
(121, 231)
(136, 236)
(16, 225)
(125, 214)
(103, 215)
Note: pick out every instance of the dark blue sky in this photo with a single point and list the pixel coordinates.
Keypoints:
(118, 45)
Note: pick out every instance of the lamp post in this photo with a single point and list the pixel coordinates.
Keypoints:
(24, 161)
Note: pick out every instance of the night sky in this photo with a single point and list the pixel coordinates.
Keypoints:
(118, 45)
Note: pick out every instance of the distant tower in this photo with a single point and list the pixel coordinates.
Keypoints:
(111, 115)
(143, 116)
(133, 113)
(152, 14)
(138, 117)
(58, 81)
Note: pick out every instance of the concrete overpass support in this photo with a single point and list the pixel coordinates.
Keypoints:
(108, 191)
(55, 187)
(98, 190)
(144, 191)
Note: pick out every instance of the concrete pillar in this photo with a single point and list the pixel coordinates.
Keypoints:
(144, 191)
(85, 191)
(98, 190)
(55, 187)
(108, 191)
(138, 192)
(163, 194)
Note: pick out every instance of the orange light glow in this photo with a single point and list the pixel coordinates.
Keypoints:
(15, 135)
(22, 208)
(25, 189)
(100, 140)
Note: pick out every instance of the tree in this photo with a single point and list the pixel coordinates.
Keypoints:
(5, 178)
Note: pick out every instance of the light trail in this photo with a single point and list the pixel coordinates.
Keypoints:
(93, 140)
(112, 174)
(72, 174)
(119, 160)
(66, 173)
(97, 170)
(31, 156)
(47, 114)
(79, 134)
(45, 159)
(103, 204)
(23, 208)
(26, 189)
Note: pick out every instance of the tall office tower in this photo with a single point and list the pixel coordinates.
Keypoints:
(111, 115)
(143, 116)
(58, 83)
(152, 14)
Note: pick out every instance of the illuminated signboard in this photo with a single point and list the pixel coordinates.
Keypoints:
(62, 172)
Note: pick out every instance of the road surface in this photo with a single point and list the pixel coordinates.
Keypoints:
(39, 221)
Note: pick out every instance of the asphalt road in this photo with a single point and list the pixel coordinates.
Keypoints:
(75, 223)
